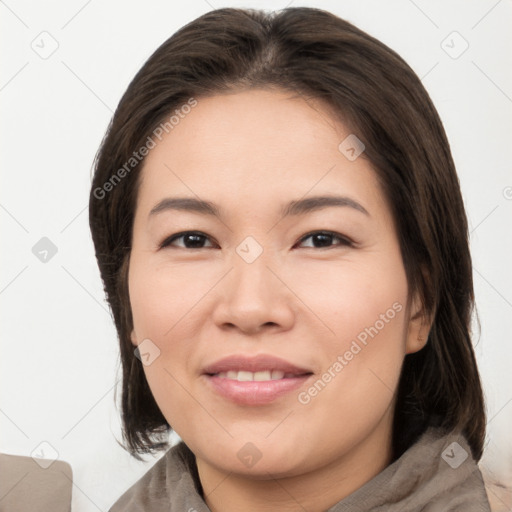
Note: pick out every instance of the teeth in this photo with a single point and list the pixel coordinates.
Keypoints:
(244, 376)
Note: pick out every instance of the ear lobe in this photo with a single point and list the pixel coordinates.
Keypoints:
(133, 338)
(418, 327)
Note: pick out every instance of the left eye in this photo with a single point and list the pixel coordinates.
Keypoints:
(321, 239)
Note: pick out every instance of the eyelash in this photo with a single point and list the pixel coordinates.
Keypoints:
(345, 241)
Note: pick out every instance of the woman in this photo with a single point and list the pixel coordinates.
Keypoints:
(282, 239)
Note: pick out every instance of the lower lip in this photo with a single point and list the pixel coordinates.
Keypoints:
(254, 392)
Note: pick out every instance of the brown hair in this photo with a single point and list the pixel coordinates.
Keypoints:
(376, 94)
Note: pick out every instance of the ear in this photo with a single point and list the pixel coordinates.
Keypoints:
(133, 338)
(418, 327)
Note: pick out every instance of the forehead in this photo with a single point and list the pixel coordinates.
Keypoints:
(260, 145)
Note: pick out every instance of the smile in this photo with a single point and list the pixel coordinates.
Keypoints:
(253, 380)
(245, 376)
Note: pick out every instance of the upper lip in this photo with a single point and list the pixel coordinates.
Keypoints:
(259, 363)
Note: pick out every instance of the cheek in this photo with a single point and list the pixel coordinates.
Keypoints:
(166, 302)
(364, 308)
(356, 299)
(163, 297)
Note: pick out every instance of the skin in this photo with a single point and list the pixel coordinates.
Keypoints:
(249, 153)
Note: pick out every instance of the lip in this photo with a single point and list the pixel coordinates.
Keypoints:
(258, 363)
(254, 392)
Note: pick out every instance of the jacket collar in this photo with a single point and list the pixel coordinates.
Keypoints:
(437, 473)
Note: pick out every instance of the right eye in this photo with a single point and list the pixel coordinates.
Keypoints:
(189, 240)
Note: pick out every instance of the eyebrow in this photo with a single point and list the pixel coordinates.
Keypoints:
(298, 207)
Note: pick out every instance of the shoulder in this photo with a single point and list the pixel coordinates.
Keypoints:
(499, 490)
(444, 473)
(170, 477)
(437, 473)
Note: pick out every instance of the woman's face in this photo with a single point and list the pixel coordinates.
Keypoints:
(270, 300)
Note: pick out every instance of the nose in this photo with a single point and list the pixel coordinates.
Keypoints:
(252, 298)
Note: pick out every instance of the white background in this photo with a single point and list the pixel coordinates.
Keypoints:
(59, 353)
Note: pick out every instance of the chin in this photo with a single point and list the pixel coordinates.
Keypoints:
(276, 467)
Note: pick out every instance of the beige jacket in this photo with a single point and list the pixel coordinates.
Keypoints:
(436, 474)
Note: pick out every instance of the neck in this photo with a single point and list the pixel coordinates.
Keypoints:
(315, 491)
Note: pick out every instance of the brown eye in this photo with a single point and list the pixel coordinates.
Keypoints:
(321, 239)
(187, 240)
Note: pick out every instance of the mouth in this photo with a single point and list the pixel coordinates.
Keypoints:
(253, 380)
(261, 376)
